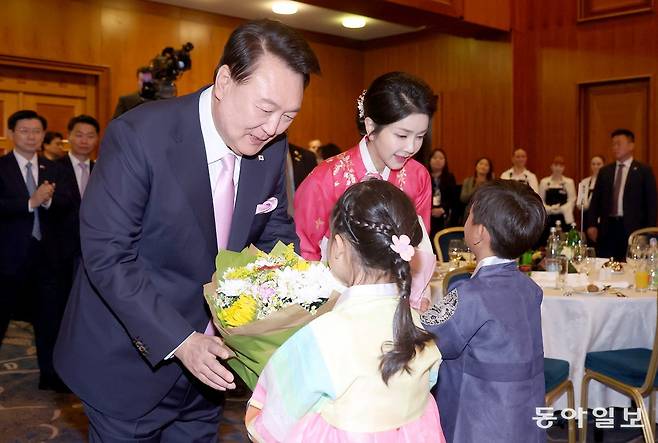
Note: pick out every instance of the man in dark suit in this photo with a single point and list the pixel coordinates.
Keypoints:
(27, 201)
(74, 170)
(303, 162)
(176, 180)
(624, 199)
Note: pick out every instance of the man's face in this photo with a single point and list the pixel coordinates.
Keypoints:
(27, 136)
(622, 147)
(249, 115)
(83, 138)
(519, 158)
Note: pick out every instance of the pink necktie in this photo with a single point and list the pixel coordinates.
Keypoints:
(84, 177)
(222, 201)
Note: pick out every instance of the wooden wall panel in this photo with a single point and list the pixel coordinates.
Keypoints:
(492, 13)
(126, 34)
(596, 9)
(474, 80)
(553, 54)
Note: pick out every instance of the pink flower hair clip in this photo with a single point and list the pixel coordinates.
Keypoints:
(402, 245)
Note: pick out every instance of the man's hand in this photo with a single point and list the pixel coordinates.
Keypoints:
(592, 233)
(43, 193)
(199, 355)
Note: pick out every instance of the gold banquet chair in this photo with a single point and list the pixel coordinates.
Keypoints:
(456, 275)
(629, 371)
(442, 240)
(556, 376)
(648, 232)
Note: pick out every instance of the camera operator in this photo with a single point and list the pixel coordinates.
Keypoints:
(127, 102)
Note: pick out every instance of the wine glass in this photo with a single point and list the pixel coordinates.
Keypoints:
(590, 254)
(455, 249)
(579, 258)
(635, 254)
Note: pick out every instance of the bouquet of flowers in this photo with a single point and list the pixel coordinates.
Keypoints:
(258, 300)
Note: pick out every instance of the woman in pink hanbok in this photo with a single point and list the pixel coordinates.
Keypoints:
(363, 371)
(393, 116)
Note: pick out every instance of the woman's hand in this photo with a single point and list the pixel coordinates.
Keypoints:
(438, 212)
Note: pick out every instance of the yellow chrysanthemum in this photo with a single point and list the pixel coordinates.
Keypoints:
(240, 273)
(241, 312)
(301, 265)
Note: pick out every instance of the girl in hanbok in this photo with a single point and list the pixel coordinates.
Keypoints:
(393, 116)
(488, 327)
(362, 372)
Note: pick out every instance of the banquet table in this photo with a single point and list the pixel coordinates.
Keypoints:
(582, 322)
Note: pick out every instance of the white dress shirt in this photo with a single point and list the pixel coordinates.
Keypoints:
(525, 176)
(585, 188)
(77, 169)
(566, 209)
(490, 261)
(624, 176)
(369, 164)
(22, 163)
(216, 149)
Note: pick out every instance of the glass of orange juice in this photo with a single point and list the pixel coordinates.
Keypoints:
(641, 277)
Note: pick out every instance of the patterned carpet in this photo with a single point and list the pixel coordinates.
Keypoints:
(30, 415)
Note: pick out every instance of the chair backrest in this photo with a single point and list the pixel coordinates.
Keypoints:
(442, 239)
(647, 387)
(452, 277)
(646, 232)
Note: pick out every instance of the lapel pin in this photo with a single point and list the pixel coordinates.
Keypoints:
(261, 158)
(42, 167)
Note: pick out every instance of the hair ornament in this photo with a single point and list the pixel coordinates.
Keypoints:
(402, 245)
(359, 104)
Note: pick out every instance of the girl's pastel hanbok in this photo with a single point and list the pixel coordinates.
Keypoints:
(324, 383)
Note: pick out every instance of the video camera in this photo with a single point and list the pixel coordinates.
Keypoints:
(165, 69)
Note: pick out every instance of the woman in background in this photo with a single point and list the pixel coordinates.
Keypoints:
(559, 196)
(586, 185)
(483, 173)
(444, 191)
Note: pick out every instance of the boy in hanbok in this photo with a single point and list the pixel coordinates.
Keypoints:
(363, 371)
(488, 328)
(393, 116)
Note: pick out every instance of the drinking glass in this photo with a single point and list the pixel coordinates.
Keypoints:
(579, 258)
(455, 249)
(635, 253)
(560, 266)
(641, 276)
(590, 254)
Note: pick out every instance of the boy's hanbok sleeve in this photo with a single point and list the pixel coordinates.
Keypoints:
(453, 321)
(313, 204)
(294, 382)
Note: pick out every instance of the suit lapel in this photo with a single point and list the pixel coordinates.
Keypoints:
(189, 166)
(246, 201)
(70, 172)
(14, 171)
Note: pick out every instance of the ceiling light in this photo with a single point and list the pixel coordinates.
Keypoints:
(284, 8)
(354, 22)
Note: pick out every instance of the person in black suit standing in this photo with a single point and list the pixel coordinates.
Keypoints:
(176, 181)
(28, 199)
(624, 199)
(64, 255)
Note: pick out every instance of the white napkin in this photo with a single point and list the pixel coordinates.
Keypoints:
(548, 279)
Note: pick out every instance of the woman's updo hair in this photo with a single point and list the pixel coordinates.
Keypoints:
(367, 216)
(392, 97)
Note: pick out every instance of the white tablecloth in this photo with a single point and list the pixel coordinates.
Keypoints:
(575, 325)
